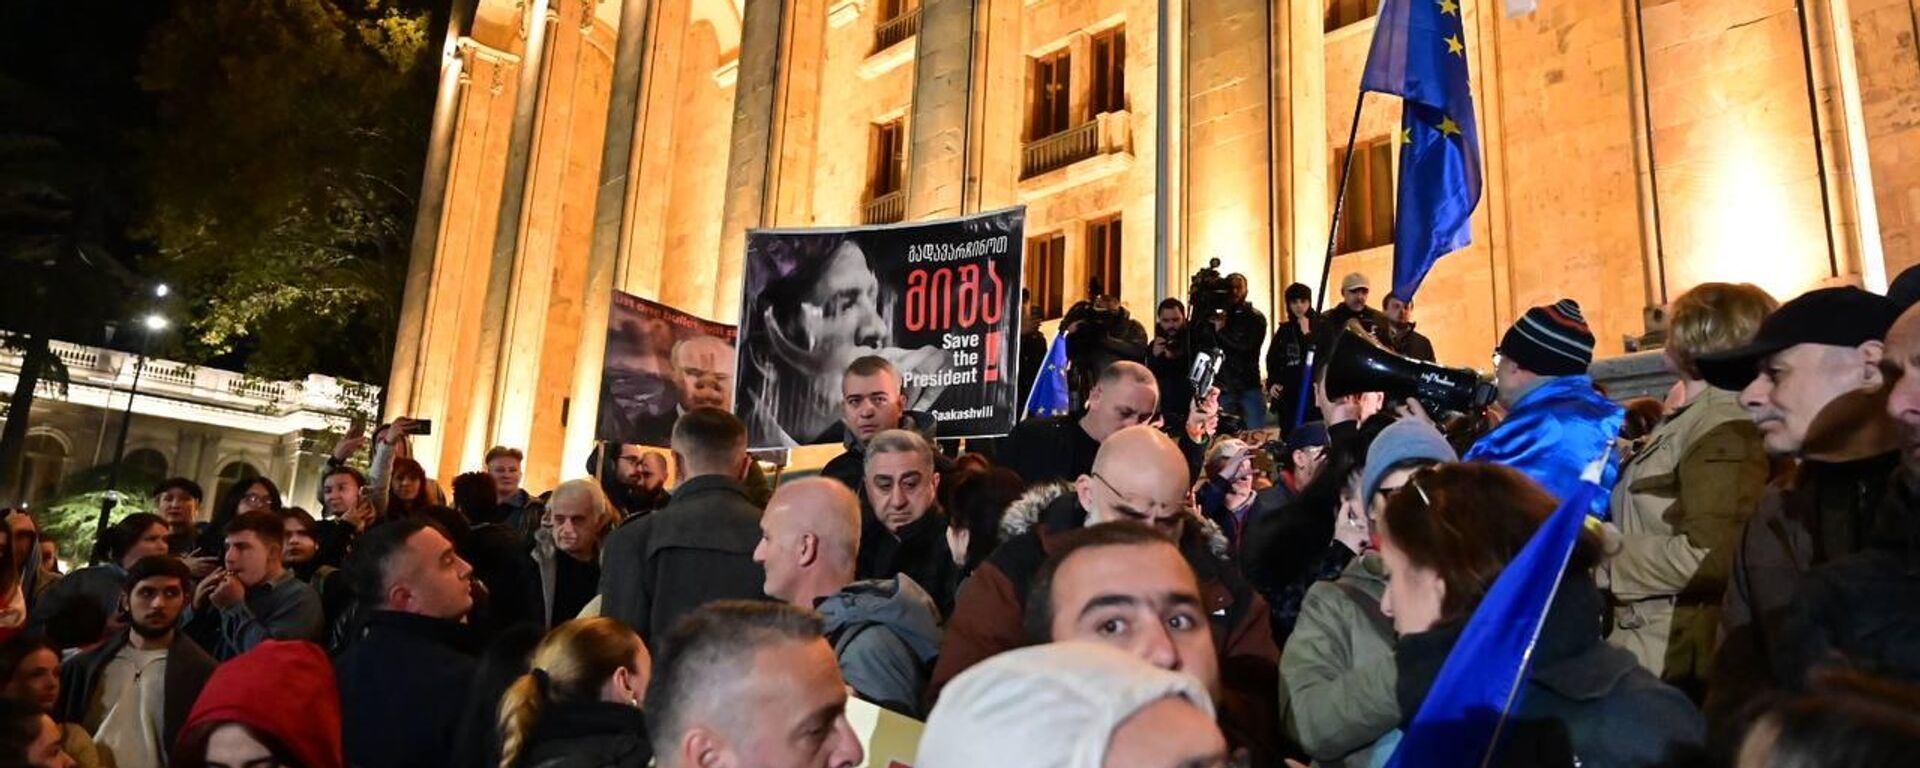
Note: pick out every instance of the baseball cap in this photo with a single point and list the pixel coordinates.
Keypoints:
(1352, 281)
(1836, 317)
(1309, 435)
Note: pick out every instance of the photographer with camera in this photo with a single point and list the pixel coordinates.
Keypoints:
(1287, 357)
(1170, 357)
(1238, 330)
(1099, 333)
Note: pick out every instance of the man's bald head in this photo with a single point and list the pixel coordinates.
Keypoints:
(1126, 395)
(809, 540)
(1901, 364)
(1140, 475)
(704, 367)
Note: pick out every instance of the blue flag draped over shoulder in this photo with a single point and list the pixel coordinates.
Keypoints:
(1049, 395)
(1419, 54)
(1480, 683)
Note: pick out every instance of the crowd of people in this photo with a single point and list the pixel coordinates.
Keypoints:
(1154, 579)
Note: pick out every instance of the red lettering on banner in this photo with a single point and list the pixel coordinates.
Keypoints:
(994, 340)
(935, 303)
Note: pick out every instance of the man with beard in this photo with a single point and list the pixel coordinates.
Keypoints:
(634, 478)
(1239, 331)
(1170, 357)
(134, 691)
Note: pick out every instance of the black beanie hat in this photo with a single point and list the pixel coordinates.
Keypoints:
(1551, 341)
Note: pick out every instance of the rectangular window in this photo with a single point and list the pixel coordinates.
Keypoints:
(1109, 51)
(1052, 90)
(1103, 256)
(888, 162)
(893, 9)
(1341, 13)
(1367, 221)
(1046, 277)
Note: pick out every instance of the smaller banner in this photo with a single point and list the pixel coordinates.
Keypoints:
(940, 300)
(660, 361)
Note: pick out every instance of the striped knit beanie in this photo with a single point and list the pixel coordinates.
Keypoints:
(1551, 341)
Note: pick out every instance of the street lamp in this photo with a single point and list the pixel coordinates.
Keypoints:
(153, 322)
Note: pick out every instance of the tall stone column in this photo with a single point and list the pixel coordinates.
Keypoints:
(750, 157)
(1228, 146)
(938, 129)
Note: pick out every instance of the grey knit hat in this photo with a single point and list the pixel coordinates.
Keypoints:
(1401, 442)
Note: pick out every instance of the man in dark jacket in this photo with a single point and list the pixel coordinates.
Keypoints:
(903, 530)
(1239, 331)
(1170, 357)
(1139, 475)
(1863, 610)
(1354, 290)
(1812, 380)
(1399, 333)
(106, 691)
(1287, 357)
(872, 401)
(404, 683)
(1056, 448)
(700, 547)
(885, 632)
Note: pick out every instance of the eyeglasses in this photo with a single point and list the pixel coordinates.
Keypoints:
(1159, 514)
(257, 498)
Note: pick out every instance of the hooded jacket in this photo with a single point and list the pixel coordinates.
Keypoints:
(1552, 433)
(886, 634)
(1337, 669)
(281, 688)
(987, 617)
(1585, 702)
(188, 668)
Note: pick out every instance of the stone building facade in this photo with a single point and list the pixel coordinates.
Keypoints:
(211, 426)
(1632, 148)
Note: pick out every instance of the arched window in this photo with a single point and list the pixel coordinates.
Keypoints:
(232, 474)
(45, 466)
(141, 470)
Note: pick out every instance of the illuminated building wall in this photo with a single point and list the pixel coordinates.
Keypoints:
(1633, 148)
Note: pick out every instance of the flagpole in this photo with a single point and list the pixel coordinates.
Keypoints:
(1326, 265)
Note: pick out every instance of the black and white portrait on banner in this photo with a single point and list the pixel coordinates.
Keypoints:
(938, 299)
(660, 362)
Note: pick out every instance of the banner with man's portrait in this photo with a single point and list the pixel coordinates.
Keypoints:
(660, 362)
(940, 300)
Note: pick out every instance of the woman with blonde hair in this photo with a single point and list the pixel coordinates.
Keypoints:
(580, 704)
(1683, 497)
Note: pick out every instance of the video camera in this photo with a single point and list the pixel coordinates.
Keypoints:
(1208, 293)
(1359, 363)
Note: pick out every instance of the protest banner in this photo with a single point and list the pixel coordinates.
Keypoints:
(660, 361)
(940, 300)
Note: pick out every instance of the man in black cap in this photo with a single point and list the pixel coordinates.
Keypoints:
(1812, 381)
(1557, 424)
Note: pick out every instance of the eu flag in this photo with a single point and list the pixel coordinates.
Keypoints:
(1480, 683)
(1419, 54)
(1049, 395)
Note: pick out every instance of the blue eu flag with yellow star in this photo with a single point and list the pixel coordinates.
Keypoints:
(1419, 54)
(1049, 395)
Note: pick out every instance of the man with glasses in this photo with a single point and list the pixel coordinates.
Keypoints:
(1140, 476)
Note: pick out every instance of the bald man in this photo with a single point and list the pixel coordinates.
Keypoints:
(1062, 448)
(885, 632)
(703, 368)
(1140, 475)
